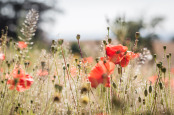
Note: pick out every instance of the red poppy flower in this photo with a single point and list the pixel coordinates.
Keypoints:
(20, 84)
(88, 59)
(42, 72)
(115, 53)
(18, 73)
(2, 56)
(22, 45)
(100, 73)
(126, 58)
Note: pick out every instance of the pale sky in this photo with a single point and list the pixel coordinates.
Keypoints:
(88, 17)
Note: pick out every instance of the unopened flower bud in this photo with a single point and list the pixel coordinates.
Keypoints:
(139, 99)
(104, 42)
(109, 40)
(137, 35)
(163, 69)
(78, 36)
(167, 56)
(154, 56)
(161, 85)
(60, 41)
(145, 92)
(150, 89)
(164, 47)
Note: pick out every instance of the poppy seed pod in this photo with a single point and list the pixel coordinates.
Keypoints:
(163, 69)
(137, 35)
(139, 99)
(161, 85)
(164, 47)
(78, 36)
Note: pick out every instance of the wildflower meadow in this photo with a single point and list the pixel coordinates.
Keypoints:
(123, 79)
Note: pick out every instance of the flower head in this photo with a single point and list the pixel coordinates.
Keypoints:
(2, 56)
(100, 73)
(22, 45)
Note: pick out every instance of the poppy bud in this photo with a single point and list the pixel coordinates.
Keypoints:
(109, 40)
(154, 56)
(114, 85)
(31, 101)
(104, 42)
(76, 60)
(144, 102)
(139, 99)
(137, 35)
(161, 85)
(64, 68)
(78, 36)
(164, 47)
(159, 65)
(108, 28)
(60, 41)
(53, 42)
(10, 40)
(58, 87)
(150, 89)
(145, 92)
(42, 64)
(52, 49)
(163, 69)
(97, 60)
(68, 65)
(84, 88)
(170, 54)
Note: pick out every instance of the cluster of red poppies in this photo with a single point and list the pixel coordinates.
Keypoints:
(116, 54)
(20, 81)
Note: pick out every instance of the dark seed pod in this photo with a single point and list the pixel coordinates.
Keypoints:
(139, 99)
(109, 40)
(144, 102)
(161, 85)
(145, 92)
(114, 85)
(163, 69)
(164, 47)
(150, 89)
(154, 56)
(104, 42)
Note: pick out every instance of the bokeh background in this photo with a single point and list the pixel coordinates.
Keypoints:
(90, 18)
